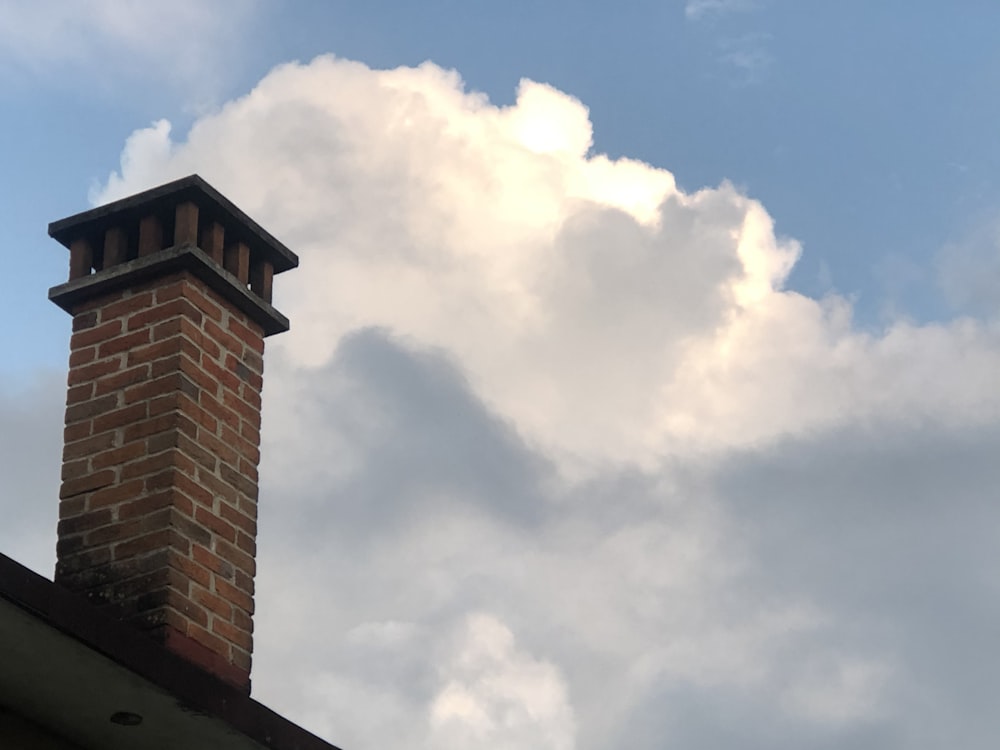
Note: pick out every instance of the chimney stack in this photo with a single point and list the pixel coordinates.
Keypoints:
(170, 293)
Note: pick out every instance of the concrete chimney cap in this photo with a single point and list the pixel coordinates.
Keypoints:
(212, 205)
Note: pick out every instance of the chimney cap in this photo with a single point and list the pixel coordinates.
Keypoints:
(211, 203)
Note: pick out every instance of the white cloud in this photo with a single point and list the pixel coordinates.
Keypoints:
(553, 458)
(609, 315)
(696, 10)
(497, 696)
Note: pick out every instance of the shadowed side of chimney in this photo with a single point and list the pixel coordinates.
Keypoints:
(170, 293)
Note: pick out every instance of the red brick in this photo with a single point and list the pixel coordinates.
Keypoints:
(125, 343)
(168, 384)
(114, 533)
(242, 446)
(117, 456)
(72, 507)
(239, 481)
(124, 417)
(84, 321)
(179, 309)
(172, 290)
(240, 520)
(232, 634)
(248, 332)
(158, 424)
(241, 407)
(217, 488)
(226, 340)
(82, 356)
(119, 380)
(208, 559)
(246, 543)
(250, 433)
(79, 393)
(224, 414)
(237, 557)
(96, 335)
(93, 481)
(148, 465)
(242, 620)
(209, 640)
(194, 490)
(74, 469)
(211, 308)
(214, 604)
(127, 305)
(195, 572)
(91, 408)
(216, 524)
(226, 378)
(238, 597)
(142, 506)
(93, 371)
(151, 542)
(114, 494)
(84, 522)
(241, 660)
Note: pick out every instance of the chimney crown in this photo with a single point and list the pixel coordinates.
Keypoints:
(182, 225)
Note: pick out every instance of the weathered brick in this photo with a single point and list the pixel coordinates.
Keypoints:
(157, 540)
(84, 522)
(209, 640)
(115, 494)
(223, 570)
(194, 572)
(86, 320)
(237, 557)
(74, 469)
(87, 483)
(232, 634)
(214, 604)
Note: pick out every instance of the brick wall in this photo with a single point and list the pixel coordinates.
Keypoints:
(158, 504)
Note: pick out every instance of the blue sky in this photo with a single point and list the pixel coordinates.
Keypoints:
(641, 387)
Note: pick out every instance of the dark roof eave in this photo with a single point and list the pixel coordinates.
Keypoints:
(194, 689)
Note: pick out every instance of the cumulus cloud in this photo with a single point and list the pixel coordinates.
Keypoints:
(553, 457)
(603, 311)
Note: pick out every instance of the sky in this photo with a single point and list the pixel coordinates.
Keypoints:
(641, 389)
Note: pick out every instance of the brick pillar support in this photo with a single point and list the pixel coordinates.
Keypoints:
(158, 503)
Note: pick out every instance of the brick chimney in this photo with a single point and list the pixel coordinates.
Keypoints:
(170, 293)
